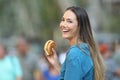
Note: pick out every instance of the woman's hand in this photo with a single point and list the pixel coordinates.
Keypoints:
(53, 60)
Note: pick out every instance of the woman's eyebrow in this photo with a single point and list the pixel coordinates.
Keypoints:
(67, 18)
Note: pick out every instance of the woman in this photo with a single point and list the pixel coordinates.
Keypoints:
(83, 61)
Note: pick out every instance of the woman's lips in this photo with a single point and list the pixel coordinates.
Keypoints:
(65, 31)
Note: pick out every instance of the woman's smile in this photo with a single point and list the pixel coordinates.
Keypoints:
(65, 31)
(69, 25)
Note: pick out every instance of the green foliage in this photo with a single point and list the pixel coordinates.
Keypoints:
(82, 3)
(50, 16)
(115, 24)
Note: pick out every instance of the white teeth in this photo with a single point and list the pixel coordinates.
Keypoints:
(65, 30)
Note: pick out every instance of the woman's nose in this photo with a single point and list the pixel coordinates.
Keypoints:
(64, 24)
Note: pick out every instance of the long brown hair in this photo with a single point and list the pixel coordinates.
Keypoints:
(85, 34)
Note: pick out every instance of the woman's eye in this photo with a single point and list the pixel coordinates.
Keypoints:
(70, 21)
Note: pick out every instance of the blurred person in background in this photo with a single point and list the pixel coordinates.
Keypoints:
(116, 55)
(51, 73)
(28, 60)
(111, 68)
(43, 64)
(83, 61)
(10, 68)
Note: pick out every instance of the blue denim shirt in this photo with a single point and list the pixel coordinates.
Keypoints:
(78, 64)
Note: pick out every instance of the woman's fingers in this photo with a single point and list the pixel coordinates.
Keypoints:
(54, 53)
(52, 58)
(53, 50)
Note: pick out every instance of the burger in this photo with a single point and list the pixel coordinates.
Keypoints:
(48, 47)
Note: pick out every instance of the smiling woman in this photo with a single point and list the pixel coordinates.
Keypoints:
(69, 26)
(83, 61)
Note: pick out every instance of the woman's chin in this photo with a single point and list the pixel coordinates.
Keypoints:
(65, 37)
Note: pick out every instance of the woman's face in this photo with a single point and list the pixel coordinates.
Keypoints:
(69, 25)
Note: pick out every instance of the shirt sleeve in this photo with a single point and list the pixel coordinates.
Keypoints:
(17, 67)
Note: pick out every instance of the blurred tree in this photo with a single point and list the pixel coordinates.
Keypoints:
(82, 3)
(39, 18)
(111, 17)
(50, 16)
(115, 24)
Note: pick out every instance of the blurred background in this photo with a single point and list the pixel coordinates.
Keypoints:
(38, 21)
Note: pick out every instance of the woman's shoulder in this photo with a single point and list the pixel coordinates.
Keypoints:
(81, 56)
(79, 50)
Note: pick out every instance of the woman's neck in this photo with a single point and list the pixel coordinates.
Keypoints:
(74, 41)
